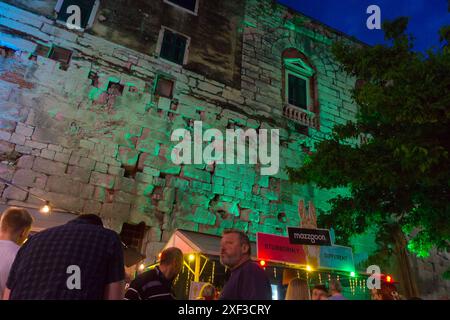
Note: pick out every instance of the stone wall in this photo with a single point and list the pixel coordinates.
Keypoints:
(67, 137)
(71, 141)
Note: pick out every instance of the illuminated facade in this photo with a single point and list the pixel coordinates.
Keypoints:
(86, 115)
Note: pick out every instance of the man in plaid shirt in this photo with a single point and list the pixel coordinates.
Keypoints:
(80, 260)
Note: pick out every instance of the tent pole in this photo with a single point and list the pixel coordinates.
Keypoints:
(197, 268)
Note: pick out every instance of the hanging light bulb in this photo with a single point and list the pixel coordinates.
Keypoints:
(141, 267)
(46, 209)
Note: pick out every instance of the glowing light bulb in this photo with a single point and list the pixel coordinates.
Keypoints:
(389, 279)
(262, 263)
(46, 208)
(352, 274)
(141, 267)
(191, 257)
(308, 268)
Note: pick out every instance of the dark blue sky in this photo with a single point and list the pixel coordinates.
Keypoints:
(349, 16)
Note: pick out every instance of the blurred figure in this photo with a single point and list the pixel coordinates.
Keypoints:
(248, 281)
(388, 291)
(208, 292)
(80, 260)
(297, 290)
(15, 225)
(156, 284)
(336, 290)
(319, 292)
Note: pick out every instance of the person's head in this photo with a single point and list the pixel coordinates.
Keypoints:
(171, 262)
(335, 287)
(15, 224)
(91, 218)
(388, 291)
(234, 248)
(297, 290)
(319, 292)
(208, 292)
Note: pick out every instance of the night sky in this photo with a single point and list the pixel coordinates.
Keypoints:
(349, 16)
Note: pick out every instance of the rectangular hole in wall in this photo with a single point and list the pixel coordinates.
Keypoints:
(41, 50)
(6, 52)
(115, 89)
(61, 55)
(164, 88)
(133, 235)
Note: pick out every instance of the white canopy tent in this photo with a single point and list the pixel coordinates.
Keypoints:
(198, 246)
(190, 242)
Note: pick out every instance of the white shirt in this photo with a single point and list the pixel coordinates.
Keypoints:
(8, 251)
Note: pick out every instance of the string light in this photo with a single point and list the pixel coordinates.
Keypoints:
(46, 209)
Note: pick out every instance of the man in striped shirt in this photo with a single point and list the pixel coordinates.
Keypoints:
(156, 284)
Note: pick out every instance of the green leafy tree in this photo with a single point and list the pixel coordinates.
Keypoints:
(399, 177)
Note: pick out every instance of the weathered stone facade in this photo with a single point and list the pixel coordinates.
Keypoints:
(66, 137)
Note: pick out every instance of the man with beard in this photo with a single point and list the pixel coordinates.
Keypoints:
(247, 281)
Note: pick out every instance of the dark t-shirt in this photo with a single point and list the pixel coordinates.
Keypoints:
(247, 282)
(47, 265)
(150, 285)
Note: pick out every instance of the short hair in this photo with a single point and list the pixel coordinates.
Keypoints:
(171, 255)
(15, 220)
(335, 285)
(243, 238)
(91, 218)
(320, 287)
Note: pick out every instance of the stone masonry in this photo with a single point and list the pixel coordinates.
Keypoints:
(66, 137)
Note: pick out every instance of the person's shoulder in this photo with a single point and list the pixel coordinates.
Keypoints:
(8, 248)
(8, 245)
(252, 266)
(145, 277)
(110, 233)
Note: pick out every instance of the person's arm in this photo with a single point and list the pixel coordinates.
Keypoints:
(132, 292)
(115, 280)
(6, 294)
(115, 291)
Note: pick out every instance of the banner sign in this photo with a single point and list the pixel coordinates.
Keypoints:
(279, 249)
(337, 258)
(310, 237)
(195, 289)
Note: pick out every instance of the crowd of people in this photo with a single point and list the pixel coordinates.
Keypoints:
(82, 260)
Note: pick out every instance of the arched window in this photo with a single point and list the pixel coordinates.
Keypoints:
(300, 88)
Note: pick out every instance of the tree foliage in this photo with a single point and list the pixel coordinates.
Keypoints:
(400, 177)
